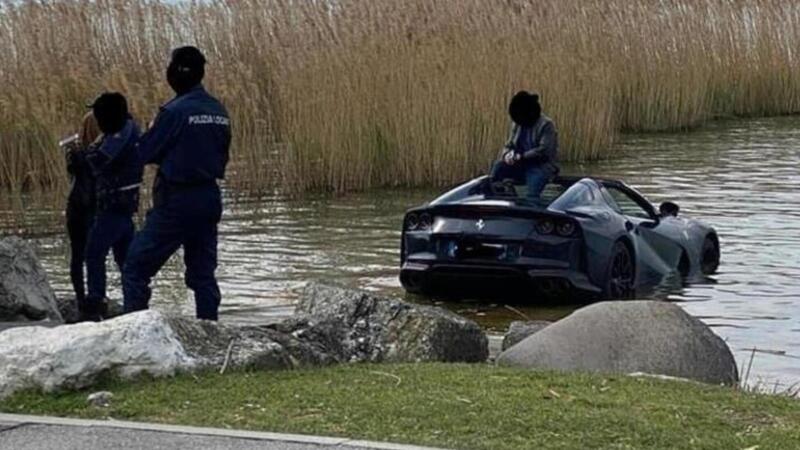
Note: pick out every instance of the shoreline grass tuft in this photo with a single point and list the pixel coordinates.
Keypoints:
(451, 406)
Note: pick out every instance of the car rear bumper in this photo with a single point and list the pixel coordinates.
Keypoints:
(451, 277)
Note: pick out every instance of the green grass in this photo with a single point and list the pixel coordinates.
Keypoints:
(456, 406)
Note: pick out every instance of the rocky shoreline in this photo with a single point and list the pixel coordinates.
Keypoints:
(332, 325)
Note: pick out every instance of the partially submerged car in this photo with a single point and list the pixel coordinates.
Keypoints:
(591, 235)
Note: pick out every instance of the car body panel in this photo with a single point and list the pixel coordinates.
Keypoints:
(471, 232)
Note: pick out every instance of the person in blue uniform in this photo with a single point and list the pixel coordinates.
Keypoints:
(117, 170)
(80, 202)
(531, 153)
(189, 142)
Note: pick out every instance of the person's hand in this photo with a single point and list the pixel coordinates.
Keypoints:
(72, 147)
(510, 158)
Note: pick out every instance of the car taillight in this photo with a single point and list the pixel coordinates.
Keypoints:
(565, 229)
(545, 226)
(412, 222)
(425, 221)
(419, 222)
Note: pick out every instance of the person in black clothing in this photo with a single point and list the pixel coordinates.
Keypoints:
(80, 202)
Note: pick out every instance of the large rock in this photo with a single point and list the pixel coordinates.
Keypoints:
(386, 330)
(148, 342)
(73, 356)
(337, 326)
(25, 293)
(518, 331)
(624, 337)
(217, 345)
(68, 307)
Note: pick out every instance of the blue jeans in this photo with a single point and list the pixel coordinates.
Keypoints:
(535, 177)
(181, 216)
(110, 231)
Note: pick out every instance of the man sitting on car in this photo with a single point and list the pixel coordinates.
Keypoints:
(529, 157)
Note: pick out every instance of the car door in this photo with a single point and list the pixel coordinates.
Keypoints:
(657, 253)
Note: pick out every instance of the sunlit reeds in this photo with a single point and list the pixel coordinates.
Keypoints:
(352, 94)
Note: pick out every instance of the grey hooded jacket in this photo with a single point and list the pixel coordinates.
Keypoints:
(538, 145)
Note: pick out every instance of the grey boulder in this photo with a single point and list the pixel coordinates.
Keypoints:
(375, 329)
(25, 293)
(216, 345)
(335, 326)
(624, 337)
(518, 331)
(146, 342)
(68, 307)
(74, 356)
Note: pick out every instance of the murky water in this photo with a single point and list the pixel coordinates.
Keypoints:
(741, 176)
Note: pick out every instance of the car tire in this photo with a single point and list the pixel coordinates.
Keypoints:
(710, 256)
(621, 273)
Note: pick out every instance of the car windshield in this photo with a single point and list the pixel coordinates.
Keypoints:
(579, 194)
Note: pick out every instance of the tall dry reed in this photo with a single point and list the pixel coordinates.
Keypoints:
(351, 94)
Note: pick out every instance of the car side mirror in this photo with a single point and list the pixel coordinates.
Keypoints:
(669, 209)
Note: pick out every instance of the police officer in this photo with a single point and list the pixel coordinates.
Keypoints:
(189, 141)
(117, 169)
(80, 202)
(531, 153)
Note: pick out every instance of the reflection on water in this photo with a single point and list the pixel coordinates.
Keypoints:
(742, 177)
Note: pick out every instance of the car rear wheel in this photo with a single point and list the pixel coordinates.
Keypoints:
(621, 273)
(710, 261)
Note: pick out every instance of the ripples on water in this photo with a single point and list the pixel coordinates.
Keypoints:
(742, 177)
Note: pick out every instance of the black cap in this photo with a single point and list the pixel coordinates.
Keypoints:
(111, 111)
(186, 68)
(188, 59)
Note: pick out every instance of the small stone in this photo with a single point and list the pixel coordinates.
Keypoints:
(518, 331)
(100, 399)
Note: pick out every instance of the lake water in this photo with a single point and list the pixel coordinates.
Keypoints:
(743, 177)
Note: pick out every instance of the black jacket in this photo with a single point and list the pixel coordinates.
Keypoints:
(82, 195)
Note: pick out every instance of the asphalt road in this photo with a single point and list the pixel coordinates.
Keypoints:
(31, 433)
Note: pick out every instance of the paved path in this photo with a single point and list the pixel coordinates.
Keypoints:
(46, 433)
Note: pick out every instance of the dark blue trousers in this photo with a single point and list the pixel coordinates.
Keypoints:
(181, 217)
(110, 231)
(533, 176)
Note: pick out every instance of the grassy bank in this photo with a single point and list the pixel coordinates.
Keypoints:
(354, 94)
(456, 406)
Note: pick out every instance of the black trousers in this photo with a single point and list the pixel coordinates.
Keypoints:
(79, 222)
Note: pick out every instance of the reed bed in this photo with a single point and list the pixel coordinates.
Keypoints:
(342, 95)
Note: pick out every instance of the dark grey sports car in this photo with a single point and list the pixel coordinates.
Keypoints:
(590, 235)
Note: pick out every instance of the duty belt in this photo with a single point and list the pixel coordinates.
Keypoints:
(128, 187)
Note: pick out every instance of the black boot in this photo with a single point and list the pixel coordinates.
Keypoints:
(91, 311)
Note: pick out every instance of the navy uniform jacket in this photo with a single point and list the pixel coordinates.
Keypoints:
(189, 139)
(118, 170)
